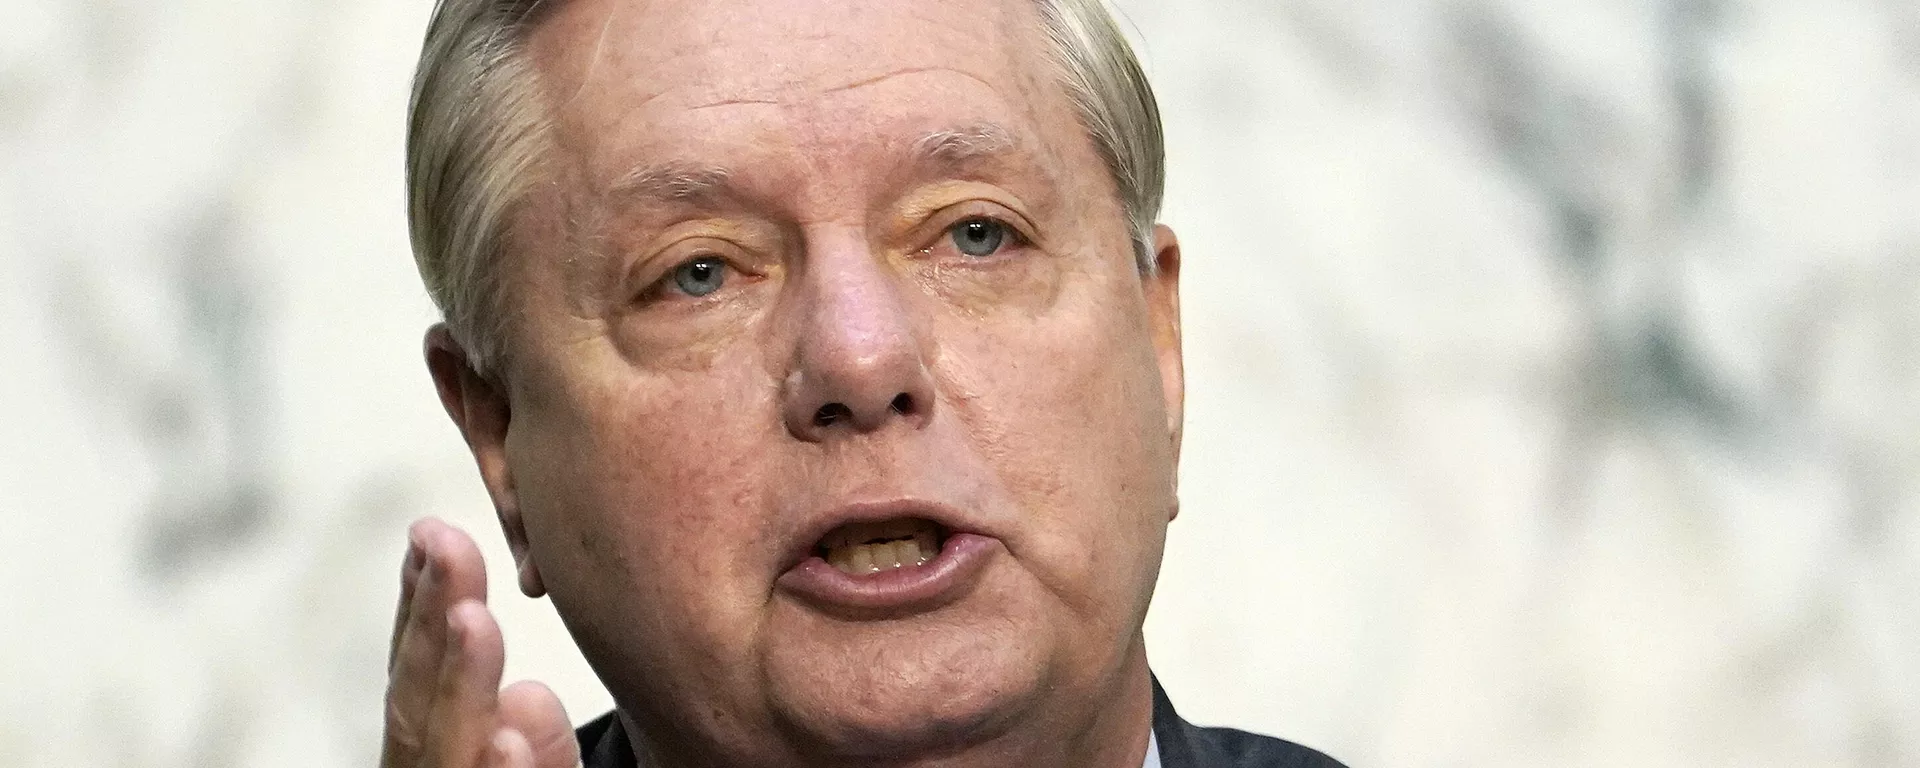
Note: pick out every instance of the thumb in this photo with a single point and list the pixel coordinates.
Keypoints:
(532, 710)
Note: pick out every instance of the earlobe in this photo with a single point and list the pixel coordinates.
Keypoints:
(479, 408)
(515, 528)
(512, 524)
(530, 583)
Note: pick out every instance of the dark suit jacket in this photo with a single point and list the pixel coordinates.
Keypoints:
(603, 744)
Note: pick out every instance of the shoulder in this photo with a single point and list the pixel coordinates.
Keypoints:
(603, 744)
(1230, 748)
(1185, 745)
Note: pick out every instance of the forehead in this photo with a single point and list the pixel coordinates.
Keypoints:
(636, 80)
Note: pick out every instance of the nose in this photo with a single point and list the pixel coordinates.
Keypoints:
(859, 361)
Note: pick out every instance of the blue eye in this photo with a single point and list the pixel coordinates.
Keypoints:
(978, 237)
(700, 276)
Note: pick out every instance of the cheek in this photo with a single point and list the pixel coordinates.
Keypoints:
(1066, 406)
(645, 485)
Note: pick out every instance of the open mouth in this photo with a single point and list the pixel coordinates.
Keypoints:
(859, 549)
(888, 563)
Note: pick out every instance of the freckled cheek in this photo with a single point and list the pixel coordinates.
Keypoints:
(658, 483)
(1065, 407)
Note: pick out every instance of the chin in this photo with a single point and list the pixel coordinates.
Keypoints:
(906, 690)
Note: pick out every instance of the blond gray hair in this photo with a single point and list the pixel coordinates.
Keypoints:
(476, 130)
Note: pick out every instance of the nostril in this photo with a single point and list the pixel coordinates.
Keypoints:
(830, 413)
(902, 404)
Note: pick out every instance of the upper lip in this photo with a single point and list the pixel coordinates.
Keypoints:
(950, 519)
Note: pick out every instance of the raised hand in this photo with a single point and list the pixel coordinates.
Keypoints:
(445, 708)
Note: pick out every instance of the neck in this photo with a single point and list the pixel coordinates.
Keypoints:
(1106, 727)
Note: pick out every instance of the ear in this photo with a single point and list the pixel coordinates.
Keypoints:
(1163, 304)
(478, 407)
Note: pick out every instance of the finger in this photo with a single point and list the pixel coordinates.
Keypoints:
(418, 648)
(467, 697)
(410, 566)
(531, 709)
(509, 750)
(452, 570)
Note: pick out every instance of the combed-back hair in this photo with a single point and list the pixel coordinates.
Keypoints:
(477, 128)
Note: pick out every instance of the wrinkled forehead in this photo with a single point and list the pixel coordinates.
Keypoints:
(634, 79)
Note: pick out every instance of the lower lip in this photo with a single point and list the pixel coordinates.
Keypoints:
(894, 591)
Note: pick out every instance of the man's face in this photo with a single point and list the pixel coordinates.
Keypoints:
(816, 288)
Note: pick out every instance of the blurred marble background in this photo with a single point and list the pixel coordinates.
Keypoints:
(1554, 371)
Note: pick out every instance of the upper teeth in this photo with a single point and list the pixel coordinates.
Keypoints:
(872, 547)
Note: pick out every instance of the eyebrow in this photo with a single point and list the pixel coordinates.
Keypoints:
(959, 146)
(984, 151)
(685, 183)
(672, 183)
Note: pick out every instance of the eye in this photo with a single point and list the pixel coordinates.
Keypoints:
(978, 237)
(700, 276)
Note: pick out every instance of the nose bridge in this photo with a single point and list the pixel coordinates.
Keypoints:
(857, 311)
(859, 361)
